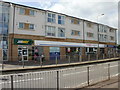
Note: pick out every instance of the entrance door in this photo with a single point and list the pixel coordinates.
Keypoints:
(22, 53)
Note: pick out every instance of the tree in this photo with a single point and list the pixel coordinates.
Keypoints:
(118, 46)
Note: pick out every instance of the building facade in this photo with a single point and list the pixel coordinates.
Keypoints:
(26, 32)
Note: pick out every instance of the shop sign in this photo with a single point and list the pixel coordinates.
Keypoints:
(18, 41)
(112, 46)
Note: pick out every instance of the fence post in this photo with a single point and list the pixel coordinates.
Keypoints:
(88, 76)
(11, 82)
(103, 56)
(23, 63)
(88, 57)
(69, 59)
(108, 71)
(41, 61)
(80, 58)
(56, 60)
(57, 80)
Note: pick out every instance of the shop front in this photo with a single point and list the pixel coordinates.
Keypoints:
(24, 48)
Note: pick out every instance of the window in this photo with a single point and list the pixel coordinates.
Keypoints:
(32, 12)
(22, 11)
(102, 37)
(50, 31)
(21, 25)
(90, 34)
(51, 18)
(61, 32)
(26, 11)
(31, 26)
(89, 25)
(102, 29)
(111, 30)
(75, 21)
(61, 20)
(75, 32)
(26, 26)
(111, 38)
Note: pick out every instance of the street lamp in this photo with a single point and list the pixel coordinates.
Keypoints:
(98, 50)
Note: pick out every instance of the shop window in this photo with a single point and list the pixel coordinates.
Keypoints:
(61, 20)
(61, 32)
(51, 18)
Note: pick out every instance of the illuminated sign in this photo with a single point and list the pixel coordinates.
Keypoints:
(18, 41)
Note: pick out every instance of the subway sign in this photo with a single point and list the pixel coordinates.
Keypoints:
(18, 41)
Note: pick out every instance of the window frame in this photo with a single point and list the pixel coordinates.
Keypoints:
(51, 18)
(61, 34)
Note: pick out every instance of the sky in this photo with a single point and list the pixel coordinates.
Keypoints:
(84, 9)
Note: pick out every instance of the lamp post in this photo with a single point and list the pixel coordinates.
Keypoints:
(98, 50)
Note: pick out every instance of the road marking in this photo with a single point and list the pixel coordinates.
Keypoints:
(22, 80)
(74, 73)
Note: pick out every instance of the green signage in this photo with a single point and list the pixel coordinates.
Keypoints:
(18, 41)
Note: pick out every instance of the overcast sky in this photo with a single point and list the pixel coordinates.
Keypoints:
(85, 9)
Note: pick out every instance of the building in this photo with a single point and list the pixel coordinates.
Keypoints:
(27, 31)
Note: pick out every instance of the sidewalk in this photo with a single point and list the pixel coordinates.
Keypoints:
(108, 84)
(31, 65)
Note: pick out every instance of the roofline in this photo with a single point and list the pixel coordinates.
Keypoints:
(58, 13)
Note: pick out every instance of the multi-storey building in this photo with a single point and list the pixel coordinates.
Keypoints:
(27, 31)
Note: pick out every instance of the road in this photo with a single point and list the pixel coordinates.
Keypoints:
(68, 78)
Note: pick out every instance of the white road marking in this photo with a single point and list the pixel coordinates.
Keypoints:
(22, 80)
(74, 73)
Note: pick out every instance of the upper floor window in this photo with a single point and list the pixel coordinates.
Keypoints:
(75, 32)
(111, 30)
(27, 11)
(61, 32)
(26, 26)
(90, 34)
(51, 18)
(21, 25)
(32, 12)
(61, 20)
(50, 31)
(111, 38)
(90, 25)
(75, 21)
(31, 26)
(22, 11)
(102, 29)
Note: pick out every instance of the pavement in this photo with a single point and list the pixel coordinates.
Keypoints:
(31, 65)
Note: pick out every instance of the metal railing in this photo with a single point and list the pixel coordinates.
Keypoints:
(55, 60)
(63, 78)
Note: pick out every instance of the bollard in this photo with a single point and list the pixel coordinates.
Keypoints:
(11, 82)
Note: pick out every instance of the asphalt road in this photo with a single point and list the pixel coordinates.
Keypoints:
(68, 78)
